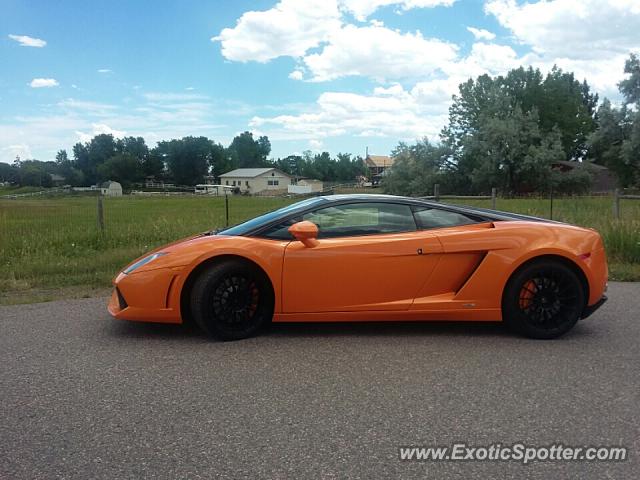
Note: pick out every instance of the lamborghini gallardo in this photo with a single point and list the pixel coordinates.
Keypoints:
(348, 258)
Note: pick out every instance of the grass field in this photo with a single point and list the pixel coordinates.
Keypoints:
(53, 247)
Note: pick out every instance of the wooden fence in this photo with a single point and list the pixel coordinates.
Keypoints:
(617, 197)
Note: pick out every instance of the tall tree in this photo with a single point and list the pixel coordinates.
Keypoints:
(122, 167)
(221, 160)
(616, 142)
(630, 87)
(187, 159)
(8, 173)
(65, 167)
(561, 103)
(416, 168)
(614, 127)
(247, 152)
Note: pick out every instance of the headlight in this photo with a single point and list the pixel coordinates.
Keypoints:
(144, 261)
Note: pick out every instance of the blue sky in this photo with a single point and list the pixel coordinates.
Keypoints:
(335, 75)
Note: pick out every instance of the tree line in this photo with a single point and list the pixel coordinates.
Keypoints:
(184, 161)
(506, 131)
(509, 131)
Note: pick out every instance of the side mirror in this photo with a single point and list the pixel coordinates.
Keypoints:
(305, 232)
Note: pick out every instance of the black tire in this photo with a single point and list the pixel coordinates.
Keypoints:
(543, 300)
(232, 300)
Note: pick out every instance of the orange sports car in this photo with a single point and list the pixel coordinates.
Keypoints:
(371, 257)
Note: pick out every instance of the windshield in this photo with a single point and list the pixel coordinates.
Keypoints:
(257, 222)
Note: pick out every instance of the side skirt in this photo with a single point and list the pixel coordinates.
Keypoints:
(480, 315)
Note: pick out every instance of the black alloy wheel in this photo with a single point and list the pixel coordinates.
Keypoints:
(543, 300)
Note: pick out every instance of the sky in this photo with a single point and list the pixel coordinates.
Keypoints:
(319, 75)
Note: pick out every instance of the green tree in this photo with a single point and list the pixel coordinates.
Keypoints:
(134, 146)
(34, 173)
(187, 159)
(416, 168)
(154, 165)
(124, 168)
(221, 160)
(89, 156)
(81, 160)
(246, 152)
(614, 128)
(65, 167)
(561, 103)
(8, 173)
(616, 142)
(630, 87)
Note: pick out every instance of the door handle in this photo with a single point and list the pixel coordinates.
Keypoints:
(419, 251)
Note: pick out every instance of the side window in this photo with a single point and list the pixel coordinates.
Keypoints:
(351, 220)
(281, 230)
(436, 218)
(362, 219)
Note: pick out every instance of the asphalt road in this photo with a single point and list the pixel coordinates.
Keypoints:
(85, 396)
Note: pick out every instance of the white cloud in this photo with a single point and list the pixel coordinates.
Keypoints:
(388, 112)
(173, 97)
(489, 58)
(10, 152)
(481, 33)
(592, 38)
(315, 144)
(27, 41)
(98, 129)
(104, 70)
(289, 29)
(43, 83)
(585, 29)
(382, 53)
(296, 75)
(162, 116)
(89, 107)
(361, 9)
(391, 111)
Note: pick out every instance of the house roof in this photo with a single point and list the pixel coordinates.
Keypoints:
(109, 183)
(379, 160)
(250, 172)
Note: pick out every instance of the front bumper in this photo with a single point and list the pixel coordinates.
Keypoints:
(148, 296)
(589, 309)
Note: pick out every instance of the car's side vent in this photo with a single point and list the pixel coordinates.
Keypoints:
(122, 303)
(473, 270)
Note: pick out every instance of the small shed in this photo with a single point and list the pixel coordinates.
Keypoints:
(111, 189)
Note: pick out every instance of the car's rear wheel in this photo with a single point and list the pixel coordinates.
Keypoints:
(232, 300)
(543, 300)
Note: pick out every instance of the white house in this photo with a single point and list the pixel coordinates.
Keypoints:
(111, 189)
(256, 180)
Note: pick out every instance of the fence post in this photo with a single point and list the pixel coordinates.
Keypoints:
(436, 192)
(616, 203)
(494, 193)
(100, 215)
(226, 209)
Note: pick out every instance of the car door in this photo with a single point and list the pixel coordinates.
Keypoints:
(465, 240)
(370, 256)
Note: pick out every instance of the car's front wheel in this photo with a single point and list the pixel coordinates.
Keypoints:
(231, 300)
(543, 300)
